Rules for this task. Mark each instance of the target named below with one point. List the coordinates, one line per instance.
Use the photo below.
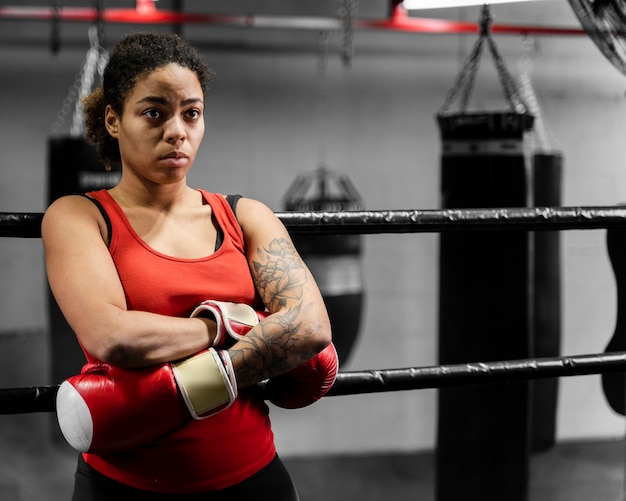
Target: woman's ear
(111, 120)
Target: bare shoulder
(255, 215)
(69, 204)
(69, 213)
(262, 229)
(249, 207)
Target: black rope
(28, 225)
(432, 221)
(42, 399)
(20, 224)
(470, 374)
(27, 400)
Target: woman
(129, 264)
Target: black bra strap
(107, 220)
(232, 201)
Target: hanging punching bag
(546, 302)
(334, 260)
(547, 166)
(483, 432)
(73, 167)
(614, 384)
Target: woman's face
(162, 125)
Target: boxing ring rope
(42, 398)
(27, 224)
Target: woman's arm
(87, 288)
(298, 326)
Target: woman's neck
(161, 197)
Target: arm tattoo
(264, 352)
(280, 278)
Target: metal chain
(508, 83)
(323, 42)
(470, 79)
(55, 28)
(94, 64)
(67, 105)
(87, 80)
(100, 7)
(465, 80)
(542, 137)
(347, 12)
(103, 57)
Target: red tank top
(221, 450)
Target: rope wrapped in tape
(26, 400)
(439, 220)
(28, 225)
(42, 399)
(476, 373)
(20, 224)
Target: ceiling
(281, 22)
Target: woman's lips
(175, 159)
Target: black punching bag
(334, 260)
(73, 167)
(614, 383)
(546, 318)
(484, 301)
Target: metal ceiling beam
(399, 21)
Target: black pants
(272, 483)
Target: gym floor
(33, 466)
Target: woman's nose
(175, 130)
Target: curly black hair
(130, 59)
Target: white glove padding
(207, 382)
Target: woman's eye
(194, 114)
(152, 114)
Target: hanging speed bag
(483, 432)
(73, 167)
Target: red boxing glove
(306, 384)
(106, 408)
(233, 320)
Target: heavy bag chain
(94, 64)
(323, 41)
(55, 27)
(542, 136)
(347, 12)
(465, 81)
